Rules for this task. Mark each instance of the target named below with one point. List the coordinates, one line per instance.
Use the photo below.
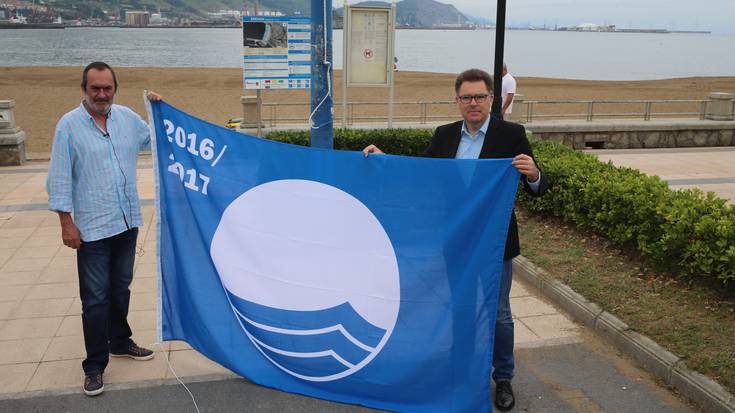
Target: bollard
(7, 119)
(720, 106)
(251, 118)
(12, 138)
(519, 112)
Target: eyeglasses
(467, 99)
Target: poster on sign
(277, 52)
(369, 46)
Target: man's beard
(92, 107)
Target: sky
(715, 15)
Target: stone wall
(636, 134)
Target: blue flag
(371, 281)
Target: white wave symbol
(311, 276)
(320, 349)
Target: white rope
(329, 68)
(170, 367)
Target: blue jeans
(105, 273)
(503, 360)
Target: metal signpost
(322, 112)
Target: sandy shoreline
(44, 94)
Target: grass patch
(688, 317)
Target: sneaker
(93, 384)
(134, 352)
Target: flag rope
(170, 367)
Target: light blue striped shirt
(94, 174)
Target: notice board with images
(276, 52)
(369, 42)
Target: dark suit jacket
(503, 140)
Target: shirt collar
(483, 128)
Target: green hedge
(684, 232)
(410, 142)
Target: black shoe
(134, 352)
(504, 398)
(93, 384)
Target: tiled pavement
(41, 344)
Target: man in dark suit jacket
(480, 135)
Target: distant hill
(420, 13)
(414, 13)
(74, 9)
(481, 20)
(287, 7)
(104, 9)
(428, 13)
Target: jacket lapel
(456, 137)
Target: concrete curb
(655, 359)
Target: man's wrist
(65, 218)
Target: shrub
(411, 142)
(684, 232)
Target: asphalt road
(580, 377)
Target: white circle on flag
(320, 266)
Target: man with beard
(92, 173)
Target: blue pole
(322, 119)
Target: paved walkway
(41, 344)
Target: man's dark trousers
(105, 273)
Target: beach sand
(43, 94)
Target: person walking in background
(92, 173)
(508, 91)
(481, 135)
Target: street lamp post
(497, 107)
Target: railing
(425, 112)
(592, 109)
(369, 111)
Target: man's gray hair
(505, 66)
(97, 66)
